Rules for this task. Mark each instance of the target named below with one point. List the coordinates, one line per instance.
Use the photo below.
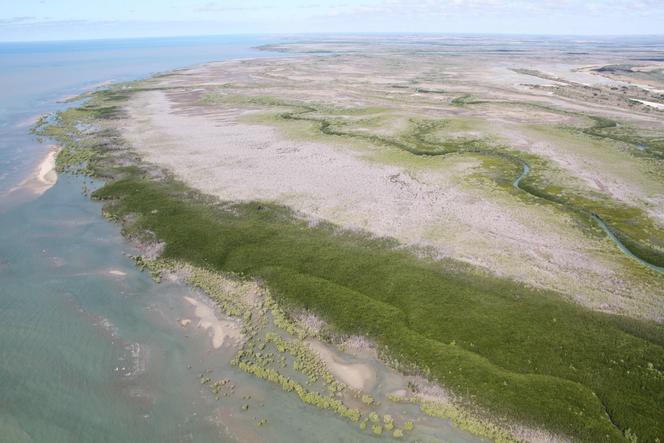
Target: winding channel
(596, 218)
(326, 128)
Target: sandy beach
(44, 176)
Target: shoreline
(110, 195)
(355, 383)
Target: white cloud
(210, 7)
(498, 7)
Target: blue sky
(83, 19)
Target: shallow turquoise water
(82, 357)
(90, 348)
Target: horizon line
(347, 33)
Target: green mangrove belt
(514, 351)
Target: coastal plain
(488, 215)
(221, 128)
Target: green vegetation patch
(644, 144)
(524, 354)
(630, 225)
(475, 425)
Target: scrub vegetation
(473, 424)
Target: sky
(26, 20)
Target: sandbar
(44, 176)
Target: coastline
(256, 319)
(77, 308)
(152, 171)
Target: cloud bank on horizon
(72, 19)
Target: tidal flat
(441, 204)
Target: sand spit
(223, 332)
(27, 122)
(44, 176)
(359, 376)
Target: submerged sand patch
(358, 376)
(222, 332)
(117, 273)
